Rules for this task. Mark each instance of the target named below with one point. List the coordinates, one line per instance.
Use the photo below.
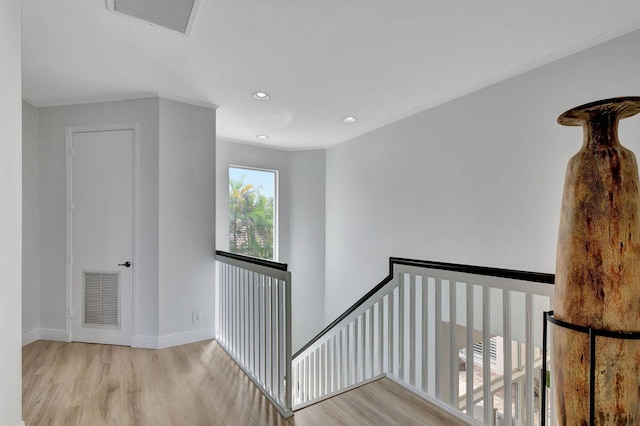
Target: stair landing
(382, 402)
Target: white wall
(176, 215)
(30, 222)
(307, 243)
(53, 122)
(187, 219)
(477, 180)
(10, 214)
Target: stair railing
(467, 338)
(253, 306)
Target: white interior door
(101, 261)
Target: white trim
(69, 217)
(102, 128)
(121, 98)
(136, 221)
(194, 102)
(170, 340)
(96, 100)
(53, 334)
(144, 342)
(192, 18)
(69, 231)
(30, 336)
(276, 216)
(272, 147)
(185, 338)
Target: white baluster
(412, 330)
(241, 287)
(380, 335)
(425, 334)
(356, 350)
(371, 370)
(344, 357)
(274, 333)
(486, 361)
(469, 362)
(402, 326)
(337, 360)
(328, 373)
(281, 356)
(529, 358)
(439, 347)
(507, 348)
(453, 349)
(263, 331)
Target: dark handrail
(254, 260)
(537, 277)
(470, 269)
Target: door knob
(126, 264)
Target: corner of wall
(186, 226)
(144, 342)
(11, 212)
(30, 218)
(30, 336)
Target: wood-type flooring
(197, 384)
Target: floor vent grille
(101, 299)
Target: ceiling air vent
(177, 15)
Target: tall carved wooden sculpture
(598, 270)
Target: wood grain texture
(196, 384)
(598, 270)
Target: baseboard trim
(54, 334)
(30, 336)
(169, 340)
(144, 342)
(185, 338)
(44, 334)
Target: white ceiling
(321, 60)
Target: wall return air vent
(177, 15)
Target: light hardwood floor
(196, 384)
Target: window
(253, 212)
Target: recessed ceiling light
(261, 96)
(262, 137)
(349, 119)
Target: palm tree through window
(253, 212)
